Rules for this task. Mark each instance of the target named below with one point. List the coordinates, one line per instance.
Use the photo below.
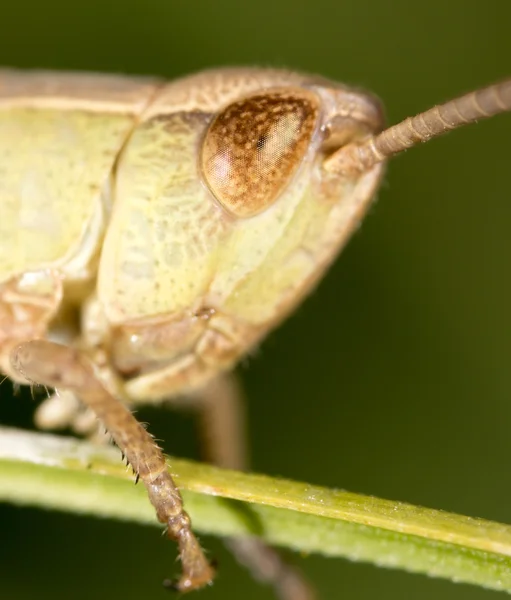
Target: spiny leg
(222, 424)
(59, 366)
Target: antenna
(480, 104)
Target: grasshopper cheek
(254, 146)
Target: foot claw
(171, 585)
(186, 584)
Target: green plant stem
(66, 474)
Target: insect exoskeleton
(160, 230)
(165, 228)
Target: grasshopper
(154, 232)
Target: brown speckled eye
(254, 146)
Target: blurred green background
(394, 378)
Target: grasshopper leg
(62, 367)
(222, 427)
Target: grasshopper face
(224, 217)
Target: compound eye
(254, 146)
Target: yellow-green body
(111, 238)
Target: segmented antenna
(471, 107)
